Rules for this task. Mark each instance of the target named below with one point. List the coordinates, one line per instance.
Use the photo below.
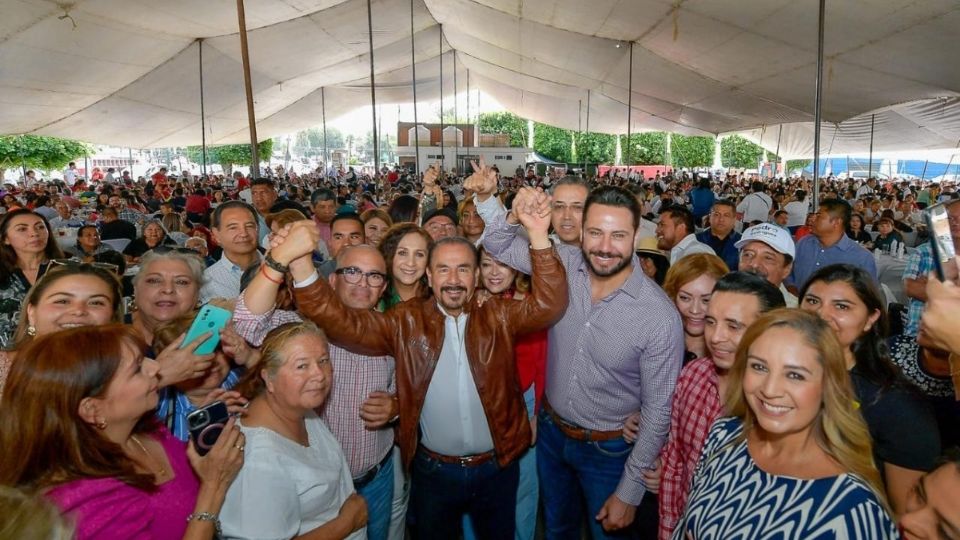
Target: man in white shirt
(234, 227)
(797, 210)
(755, 206)
(676, 233)
(867, 188)
(70, 174)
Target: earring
(102, 424)
(31, 330)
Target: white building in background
(461, 143)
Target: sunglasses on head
(73, 262)
(176, 249)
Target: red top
(801, 232)
(197, 204)
(531, 354)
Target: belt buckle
(464, 461)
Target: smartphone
(209, 319)
(941, 241)
(206, 424)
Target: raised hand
(431, 175)
(294, 241)
(483, 181)
(533, 212)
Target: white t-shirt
(797, 213)
(284, 489)
(70, 176)
(755, 207)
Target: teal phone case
(208, 319)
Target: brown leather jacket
(412, 332)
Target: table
(66, 238)
(890, 271)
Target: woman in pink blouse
(76, 425)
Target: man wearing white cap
(768, 251)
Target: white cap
(772, 235)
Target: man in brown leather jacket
(463, 422)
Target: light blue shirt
(812, 256)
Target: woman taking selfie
(794, 459)
(77, 425)
(906, 441)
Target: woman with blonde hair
(689, 283)
(375, 225)
(794, 460)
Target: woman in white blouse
(295, 482)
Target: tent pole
(248, 86)
(443, 158)
(817, 109)
(130, 155)
(456, 117)
(629, 161)
(373, 95)
(924, 173)
(416, 122)
(777, 164)
(763, 130)
(950, 163)
(873, 119)
(203, 124)
(323, 112)
(587, 130)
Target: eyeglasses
(73, 262)
(352, 275)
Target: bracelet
(206, 516)
(263, 270)
(272, 263)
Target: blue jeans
(573, 472)
(442, 493)
(528, 490)
(379, 496)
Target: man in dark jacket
(721, 236)
(463, 422)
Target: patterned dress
(732, 498)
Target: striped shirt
(174, 405)
(608, 359)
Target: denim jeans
(573, 472)
(401, 497)
(379, 496)
(528, 489)
(442, 493)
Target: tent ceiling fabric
(126, 72)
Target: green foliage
(552, 143)
(643, 148)
(309, 142)
(691, 152)
(38, 152)
(794, 164)
(595, 147)
(504, 122)
(739, 153)
(228, 155)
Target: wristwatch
(272, 263)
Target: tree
(739, 153)
(794, 164)
(39, 152)
(228, 155)
(691, 152)
(309, 142)
(447, 115)
(552, 143)
(648, 148)
(504, 122)
(595, 147)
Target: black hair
(262, 182)
(725, 202)
(404, 209)
(767, 295)
(218, 212)
(570, 180)
(347, 216)
(870, 349)
(838, 208)
(661, 263)
(680, 215)
(322, 194)
(614, 196)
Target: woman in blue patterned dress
(794, 461)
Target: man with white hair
(768, 251)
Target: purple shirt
(106, 508)
(607, 360)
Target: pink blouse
(105, 508)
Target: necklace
(162, 472)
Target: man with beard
(676, 233)
(768, 251)
(618, 349)
(462, 420)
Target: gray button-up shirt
(609, 359)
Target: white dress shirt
(688, 246)
(452, 421)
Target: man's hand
(294, 241)
(631, 428)
(431, 175)
(530, 211)
(616, 514)
(938, 321)
(483, 181)
(378, 410)
(651, 477)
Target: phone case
(206, 424)
(941, 240)
(209, 319)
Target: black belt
(367, 477)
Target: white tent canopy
(126, 72)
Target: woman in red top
(530, 351)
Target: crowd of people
(476, 355)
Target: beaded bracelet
(206, 516)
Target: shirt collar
(687, 240)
